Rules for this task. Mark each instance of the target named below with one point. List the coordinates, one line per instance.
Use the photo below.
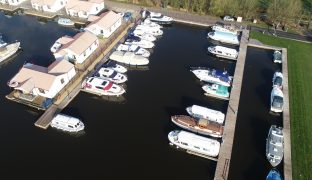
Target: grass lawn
(300, 101)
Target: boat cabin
(67, 123)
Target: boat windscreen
(222, 75)
(113, 74)
(278, 81)
(277, 102)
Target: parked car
(228, 18)
(127, 16)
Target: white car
(228, 18)
(103, 87)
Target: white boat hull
(9, 51)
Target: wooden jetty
(286, 119)
(223, 164)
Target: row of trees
(279, 12)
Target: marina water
(124, 137)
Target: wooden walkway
(75, 87)
(223, 164)
(286, 119)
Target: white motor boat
(133, 40)
(116, 67)
(134, 48)
(65, 22)
(277, 100)
(7, 50)
(194, 143)
(206, 113)
(67, 123)
(103, 87)
(223, 52)
(277, 56)
(225, 28)
(217, 91)
(157, 17)
(213, 76)
(129, 58)
(275, 145)
(148, 22)
(111, 75)
(278, 80)
(144, 35)
(151, 30)
(224, 37)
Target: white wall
(82, 14)
(80, 58)
(15, 2)
(59, 4)
(106, 32)
(57, 85)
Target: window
(49, 7)
(61, 2)
(74, 57)
(84, 54)
(62, 81)
(41, 90)
(196, 147)
(97, 8)
(70, 126)
(102, 32)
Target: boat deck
(223, 164)
(217, 97)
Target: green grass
(300, 101)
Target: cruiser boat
(216, 90)
(103, 87)
(67, 123)
(149, 23)
(55, 47)
(277, 101)
(275, 145)
(223, 37)
(134, 48)
(157, 17)
(223, 52)
(194, 143)
(225, 28)
(153, 31)
(7, 50)
(274, 175)
(206, 113)
(201, 126)
(111, 75)
(277, 56)
(213, 76)
(129, 58)
(65, 22)
(116, 67)
(134, 40)
(144, 35)
(278, 80)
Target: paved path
(179, 16)
(223, 165)
(283, 34)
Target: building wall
(59, 4)
(57, 85)
(82, 57)
(104, 32)
(15, 2)
(82, 14)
